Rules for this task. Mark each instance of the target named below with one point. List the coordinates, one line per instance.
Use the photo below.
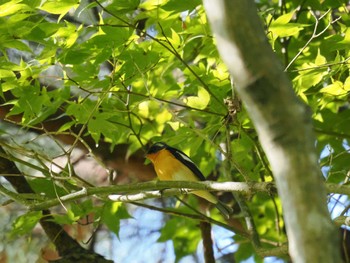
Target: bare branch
(314, 35)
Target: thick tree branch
(283, 125)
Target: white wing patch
(185, 157)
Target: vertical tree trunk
(283, 124)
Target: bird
(171, 164)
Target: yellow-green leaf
(335, 89)
(25, 223)
(281, 27)
(199, 102)
(284, 19)
(13, 7)
(4, 73)
(59, 7)
(347, 84)
(320, 60)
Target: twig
(14, 196)
(326, 65)
(314, 35)
(193, 216)
(332, 133)
(241, 202)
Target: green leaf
(49, 28)
(123, 6)
(100, 124)
(81, 110)
(16, 44)
(245, 251)
(199, 102)
(320, 60)
(83, 209)
(66, 126)
(112, 213)
(176, 6)
(347, 84)
(68, 35)
(59, 7)
(334, 89)
(281, 27)
(30, 101)
(25, 223)
(75, 56)
(4, 73)
(309, 78)
(45, 186)
(110, 36)
(175, 39)
(63, 219)
(184, 234)
(13, 7)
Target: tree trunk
(283, 124)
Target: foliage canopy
(110, 77)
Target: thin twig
(314, 35)
(241, 202)
(326, 65)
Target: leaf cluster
(96, 74)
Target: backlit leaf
(24, 224)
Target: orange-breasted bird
(172, 164)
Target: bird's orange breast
(169, 168)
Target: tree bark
(283, 124)
(207, 242)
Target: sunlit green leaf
(25, 223)
(4, 73)
(60, 7)
(199, 102)
(13, 7)
(281, 27)
(335, 89)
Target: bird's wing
(183, 158)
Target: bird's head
(154, 150)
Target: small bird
(172, 164)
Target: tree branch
(65, 244)
(154, 189)
(207, 242)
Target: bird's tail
(225, 210)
